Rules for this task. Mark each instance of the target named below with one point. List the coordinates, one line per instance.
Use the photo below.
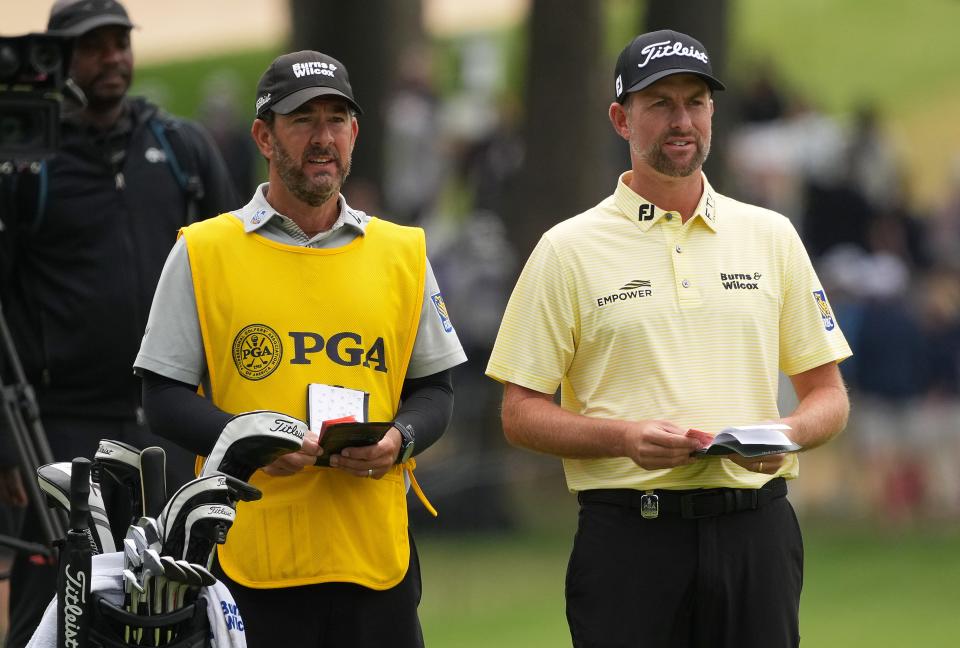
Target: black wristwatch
(406, 441)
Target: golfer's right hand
(659, 444)
(294, 462)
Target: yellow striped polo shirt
(636, 315)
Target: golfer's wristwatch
(406, 441)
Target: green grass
(863, 588)
(838, 52)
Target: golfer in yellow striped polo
(667, 308)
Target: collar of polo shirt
(645, 214)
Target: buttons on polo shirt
(685, 283)
(678, 249)
(668, 216)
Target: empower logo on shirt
(636, 289)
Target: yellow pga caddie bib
(275, 318)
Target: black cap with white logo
(655, 55)
(77, 17)
(296, 78)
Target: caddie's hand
(293, 462)
(767, 464)
(12, 491)
(659, 444)
(372, 461)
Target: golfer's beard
(661, 162)
(312, 192)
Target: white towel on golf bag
(226, 624)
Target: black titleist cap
(77, 17)
(295, 78)
(655, 55)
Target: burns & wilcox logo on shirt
(740, 281)
(636, 289)
(258, 350)
(823, 306)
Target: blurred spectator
(414, 168)
(220, 113)
(835, 212)
(940, 310)
(762, 99)
(491, 162)
(872, 161)
(943, 241)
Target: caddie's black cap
(655, 55)
(295, 78)
(77, 17)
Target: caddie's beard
(312, 191)
(661, 162)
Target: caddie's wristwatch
(406, 441)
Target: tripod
(20, 418)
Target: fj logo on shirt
(737, 281)
(821, 298)
(647, 211)
(636, 289)
(257, 350)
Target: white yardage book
(328, 402)
(751, 441)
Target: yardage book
(339, 414)
(747, 440)
(337, 435)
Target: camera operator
(85, 241)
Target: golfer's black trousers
(728, 581)
(332, 615)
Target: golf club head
(206, 526)
(139, 537)
(131, 581)
(208, 578)
(173, 571)
(54, 481)
(116, 467)
(153, 563)
(252, 440)
(151, 530)
(131, 554)
(191, 576)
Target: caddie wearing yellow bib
(297, 289)
(664, 315)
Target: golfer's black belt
(689, 504)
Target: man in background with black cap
(83, 248)
(294, 289)
(666, 310)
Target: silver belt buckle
(649, 506)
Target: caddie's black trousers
(331, 615)
(731, 580)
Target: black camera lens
(45, 56)
(18, 130)
(9, 63)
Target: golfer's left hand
(372, 461)
(767, 464)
